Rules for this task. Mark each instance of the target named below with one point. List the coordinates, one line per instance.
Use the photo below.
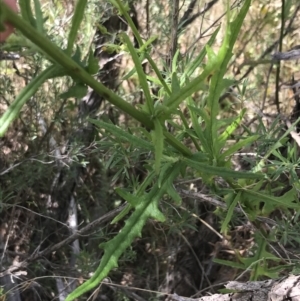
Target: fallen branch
(86, 230)
(284, 289)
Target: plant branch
(57, 55)
(85, 230)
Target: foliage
(198, 144)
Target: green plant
(200, 141)
(260, 264)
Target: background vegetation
(175, 174)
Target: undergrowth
(181, 137)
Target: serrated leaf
(133, 200)
(114, 248)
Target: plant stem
(73, 69)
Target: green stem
(14, 109)
(74, 69)
(177, 144)
(123, 11)
(54, 53)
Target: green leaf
(186, 91)
(212, 57)
(175, 61)
(207, 169)
(199, 130)
(136, 199)
(124, 11)
(113, 249)
(229, 263)
(147, 44)
(133, 200)
(141, 74)
(218, 68)
(102, 29)
(236, 146)
(230, 129)
(200, 111)
(26, 12)
(158, 142)
(123, 135)
(92, 67)
(77, 91)
(122, 214)
(172, 192)
(39, 16)
(76, 21)
(175, 83)
(288, 200)
(188, 131)
(133, 71)
(230, 212)
(153, 80)
(14, 109)
(163, 174)
(260, 268)
(192, 66)
(276, 145)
